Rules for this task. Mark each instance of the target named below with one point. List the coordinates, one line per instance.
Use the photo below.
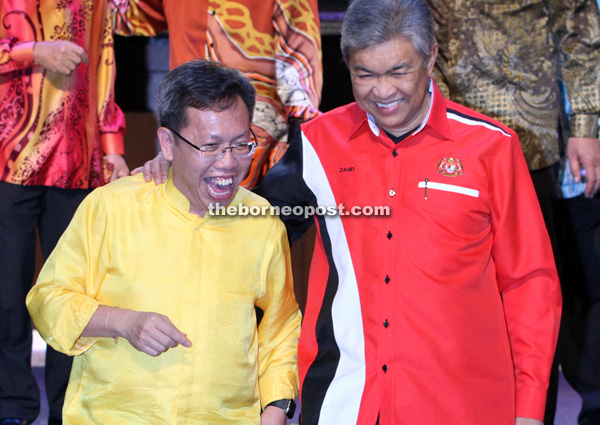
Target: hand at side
(148, 332)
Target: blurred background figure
(275, 43)
(61, 135)
(579, 341)
(507, 60)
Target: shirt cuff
(22, 54)
(279, 385)
(531, 403)
(584, 125)
(112, 143)
(68, 339)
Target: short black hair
(200, 84)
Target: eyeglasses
(212, 152)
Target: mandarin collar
(175, 197)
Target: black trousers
(23, 210)
(579, 341)
(545, 184)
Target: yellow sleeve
(279, 329)
(64, 299)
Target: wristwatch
(287, 405)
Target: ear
(165, 138)
(432, 58)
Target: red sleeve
(527, 278)
(111, 121)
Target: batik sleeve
(135, 17)
(111, 121)
(15, 54)
(298, 57)
(577, 24)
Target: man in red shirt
(447, 310)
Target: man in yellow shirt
(175, 287)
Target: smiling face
(390, 82)
(204, 183)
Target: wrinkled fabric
(55, 129)
(135, 245)
(275, 43)
(444, 311)
(505, 59)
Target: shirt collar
(174, 196)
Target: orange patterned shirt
(55, 129)
(275, 43)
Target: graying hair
(371, 22)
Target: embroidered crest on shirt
(450, 167)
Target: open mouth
(219, 187)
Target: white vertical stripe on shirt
(342, 401)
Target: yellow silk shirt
(135, 245)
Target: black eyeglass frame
(253, 145)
